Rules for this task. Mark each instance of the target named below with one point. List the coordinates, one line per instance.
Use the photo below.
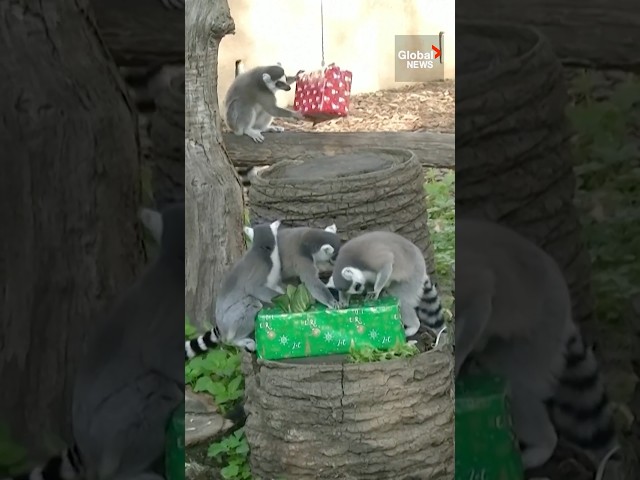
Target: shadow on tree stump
(514, 162)
(376, 189)
(389, 420)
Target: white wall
(359, 36)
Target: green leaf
(230, 471)
(291, 291)
(234, 385)
(189, 330)
(215, 449)
(206, 384)
(297, 302)
(243, 448)
(302, 299)
(283, 302)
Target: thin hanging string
(322, 30)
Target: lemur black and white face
(350, 280)
(277, 81)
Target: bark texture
(512, 146)
(166, 132)
(589, 33)
(388, 420)
(213, 191)
(69, 191)
(375, 189)
(140, 32)
(130, 31)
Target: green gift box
(486, 446)
(319, 331)
(174, 445)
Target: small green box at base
(174, 449)
(486, 448)
(320, 331)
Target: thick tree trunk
(167, 158)
(373, 189)
(513, 157)
(69, 191)
(213, 191)
(381, 421)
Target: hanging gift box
(323, 94)
(320, 331)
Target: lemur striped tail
(202, 343)
(67, 466)
(429, 309)
(580, 408)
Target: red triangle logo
(437, 50)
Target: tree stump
(514, 161)
(213, 193)
(376, 189)
(385, 420)
(512, 145)
(390, 420)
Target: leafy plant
(233, 452)
(439, 188)
(607, 167)
(367, 354)
(189, 330)
(218, 373)
(295, 299)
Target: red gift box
(323, 94)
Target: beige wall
(359, 36)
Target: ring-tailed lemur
(514, 319)
(253, 280)
(128, 383)
(304, 253)
(377, 261)
(251, 104)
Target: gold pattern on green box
(320, 331)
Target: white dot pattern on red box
(324, 92)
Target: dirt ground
(417, 107)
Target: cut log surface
(431, 149)
(391, 420)
(375, 189)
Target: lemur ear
(331, 228)
(248, 231)
(327, 249)
(348, 273)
